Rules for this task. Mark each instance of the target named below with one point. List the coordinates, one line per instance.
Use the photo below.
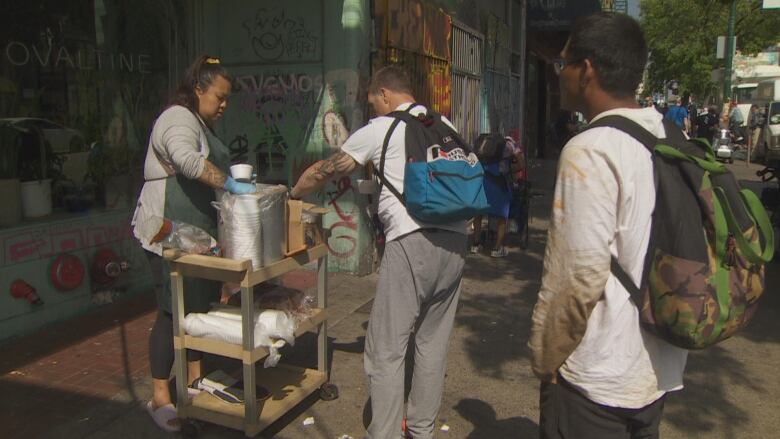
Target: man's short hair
(616, 47)
(672, 100)
(392, 78)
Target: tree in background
(682, 38)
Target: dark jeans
(566, 414)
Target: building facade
(81, 83)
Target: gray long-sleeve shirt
(178, 145)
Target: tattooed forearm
(212, 176)
(323, 171)
(338, 163)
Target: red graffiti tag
(343, 186)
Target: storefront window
(81, 82)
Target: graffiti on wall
(273, 35)
(275, 98)
(286, 112)
(271, 113)
(417, 36)
(344, 229)
(353, 87)
(502, 105)
(437, 32)
(340, 195)
(414, 26)
(334, 129)
(47, 241)
(405, 24)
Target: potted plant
(111, 168)
(10, 189)
(38, 166)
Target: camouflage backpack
(709, 241)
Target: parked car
(62, 139)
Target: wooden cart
(287, 385)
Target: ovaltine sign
(18, 53)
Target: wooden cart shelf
(236, 351)
(288, 385)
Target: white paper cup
(242, 172)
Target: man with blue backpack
(431, 184)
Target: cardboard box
(296, 228)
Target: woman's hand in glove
(238, 188)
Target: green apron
(189, 201)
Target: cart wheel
(190, 428)
(329, 392)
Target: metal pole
(729, 51)
(523, 69)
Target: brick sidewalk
(51, 377)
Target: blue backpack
(443, 179)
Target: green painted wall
(29, 250)
(299, 68)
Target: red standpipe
(22, 290)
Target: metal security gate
(467, 50)
(500, 83)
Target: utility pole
(729, 52)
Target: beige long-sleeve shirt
(585, 325)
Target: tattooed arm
(318, 174)
(212, 176)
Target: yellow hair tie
(212, 60)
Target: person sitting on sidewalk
(603, 376)
(420, 273)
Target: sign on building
(559, 14)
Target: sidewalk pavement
(88, 378)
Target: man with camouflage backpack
(632, 209)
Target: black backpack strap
(398, 116)
(649, 141)
(628, 283)
(629, 127)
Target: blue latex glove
(238, 188)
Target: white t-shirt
(616, 363)
(366, 144)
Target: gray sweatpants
(418, 288)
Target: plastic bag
(272, 329)
(252, 226)
(179, 235)
(295, 303)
